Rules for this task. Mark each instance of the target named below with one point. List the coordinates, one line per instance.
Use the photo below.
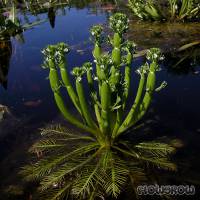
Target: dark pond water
(174, 114)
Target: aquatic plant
(8, 27)
(98, 161)
(166, 10)
(184, 60)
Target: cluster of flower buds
(129, 46)
(61, 50)
(96, 32)
(154, 55)
(54, 52)
(104, 62)
(144, 69)
(49, 53)
(138, 7)
(78, 72)
(63, 47)
(87, 66)
(119, 23)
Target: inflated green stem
(119, 24)
(116, 59)
(115, 74)
(129, 48)
(150, 87)
(127, 78)
(83, 103)
(88, 67)
(116, 52)
(96, 32)
(144, 105)
(118, 122)
(105, 110)
(134, 107)
(97, 51)
(138, 110)
(68, 85)
(54, 82)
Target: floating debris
(33, 103)
(3, 111)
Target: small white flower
(138, 71)
(102, 66)
(162, 58)
(119, 21)
(79, 79)
(55, 185)
(155, 55)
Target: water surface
(175, 111)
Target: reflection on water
(5, 55)
(184, 62)
(28, 94)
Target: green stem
(118, 122)
(97, 54)
(134, 107)
(91, 85)
(127, 79)
(68, 85)
(105, 104)
(115, 78)
(97, 51)
(150, 88)
(54, 83)
(116, 52)
(83, 104)
(90, 80)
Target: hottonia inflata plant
(109, 102)
(97, 161)
(172, 10)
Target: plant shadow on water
(177, 119)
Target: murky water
(175, 112)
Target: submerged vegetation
(8, 27)
(172, 10)
(184, 60)
(99, 160)
(11, 25)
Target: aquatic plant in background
(172, 10)
(98, 161)
(184, 60)
(8, 27)
(11, 26)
